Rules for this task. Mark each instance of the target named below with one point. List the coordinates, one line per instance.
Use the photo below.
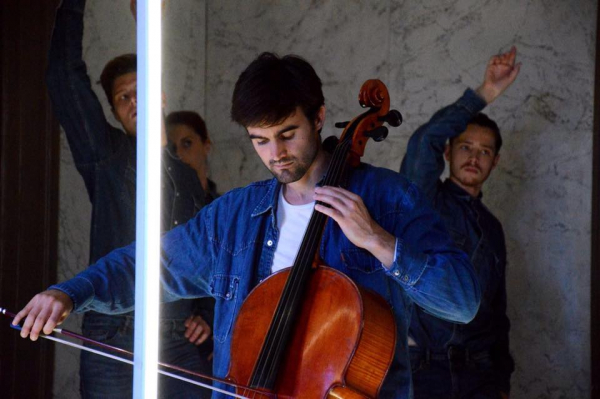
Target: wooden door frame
(29, 172)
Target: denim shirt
(104, 155)
(474, 230)
(228, 248)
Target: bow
(129, 354)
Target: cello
(309, 331)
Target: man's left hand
(351, 214)
(197, 330)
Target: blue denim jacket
(228, 248)
(104, 155)
(474, 230)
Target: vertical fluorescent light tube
(149, 114)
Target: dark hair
(270, 89)
(483, 120)
(191, 119)
(116, 67)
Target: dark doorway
(29, 162)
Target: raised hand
(351, 214)
(44, 312)
(501, 71)
(133, 7)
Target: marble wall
(427, 53)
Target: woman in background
(189, 140)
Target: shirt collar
(269, 201)
(459, 191)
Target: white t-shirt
(292, 221)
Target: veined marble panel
(541, 189)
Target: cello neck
(272, 351)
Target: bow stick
(71, 334)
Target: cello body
(342, 346)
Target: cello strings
(274, 345)
(304, 259)
(273, 337)
(331, 178)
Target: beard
(299, 167)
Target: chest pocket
(126, 179)
(224, 289)
(459, 239)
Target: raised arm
(75, 104)
(423, 162)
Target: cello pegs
(378, 134)
(393, 118)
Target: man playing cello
(383, 235)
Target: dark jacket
(474, 229)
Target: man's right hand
(44, 312)
(501, 71)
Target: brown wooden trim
(595, 272)
(29, 170)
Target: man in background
(471, 360)
(105, 157)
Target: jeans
(106, 378)
(457, 374)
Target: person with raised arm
(451, 360)
(105, 156)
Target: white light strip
(149, 113)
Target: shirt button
(270, 243)
(228, 295)
(396, 273)
(177, 194)
(168, 168)
(405, 278)
(176, 222)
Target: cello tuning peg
(393, 118)
(378, 134)
(341, 125)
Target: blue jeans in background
(457, 374)
(105, 378)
